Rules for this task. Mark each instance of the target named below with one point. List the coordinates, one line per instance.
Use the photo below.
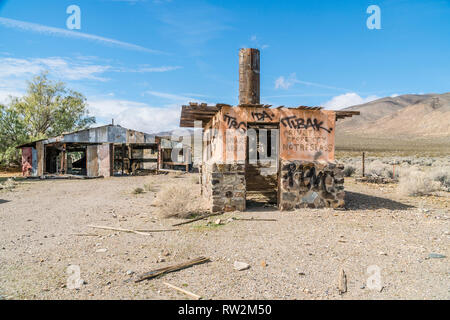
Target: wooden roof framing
(202, 112)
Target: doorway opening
(262, 164)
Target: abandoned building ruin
(253, 152)
(102, 152)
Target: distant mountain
(406, 116)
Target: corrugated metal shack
(102, 151)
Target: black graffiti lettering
(299, 123)
(307, 177)
(233, 124)
(261, 116)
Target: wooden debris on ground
(196, 219)
(190, 294)
(141, 232)
(255, 219)
(162, 271)
(342, 286)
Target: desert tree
(47, 109)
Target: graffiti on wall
(232, 123)
(293, 122)
(262, 116)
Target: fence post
(363, 164)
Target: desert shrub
(379, 169)
(138, 191)
(181, 201)
(349, 170)
(442, 175)
(9, 184)
(416, 183)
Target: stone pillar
(249, 77)
(223, 186)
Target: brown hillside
(412, 116)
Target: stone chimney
(249, 78)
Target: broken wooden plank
(157, 230)
(162, 271)
(188, 293)
(255, 219)
(120, 230)
(196, 219)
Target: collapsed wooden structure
(253, 152)
(102, 151)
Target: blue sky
(138, 61)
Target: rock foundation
(311, 185)
(224, 186)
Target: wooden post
(123, 158)
(364, 164)
(249, 76)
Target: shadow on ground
(3, 201)
(359, 201)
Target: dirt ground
(44, 230)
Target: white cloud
(38, 28)
(59, 67)
(347, 100)
(170, 96)
(147, 69)
(136, 115)
(285, 83)
(256, 43)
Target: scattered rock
(129, 272)
(381, 253)
(240, 266)
(218, 221)
(101, 250)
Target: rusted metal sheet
(104, 153)
(27, 160)
(92, 161)
(117, 134)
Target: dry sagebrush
(180, 201)
(417, 183)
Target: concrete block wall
(311, 185)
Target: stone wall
(223, 185)
(311, 185)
